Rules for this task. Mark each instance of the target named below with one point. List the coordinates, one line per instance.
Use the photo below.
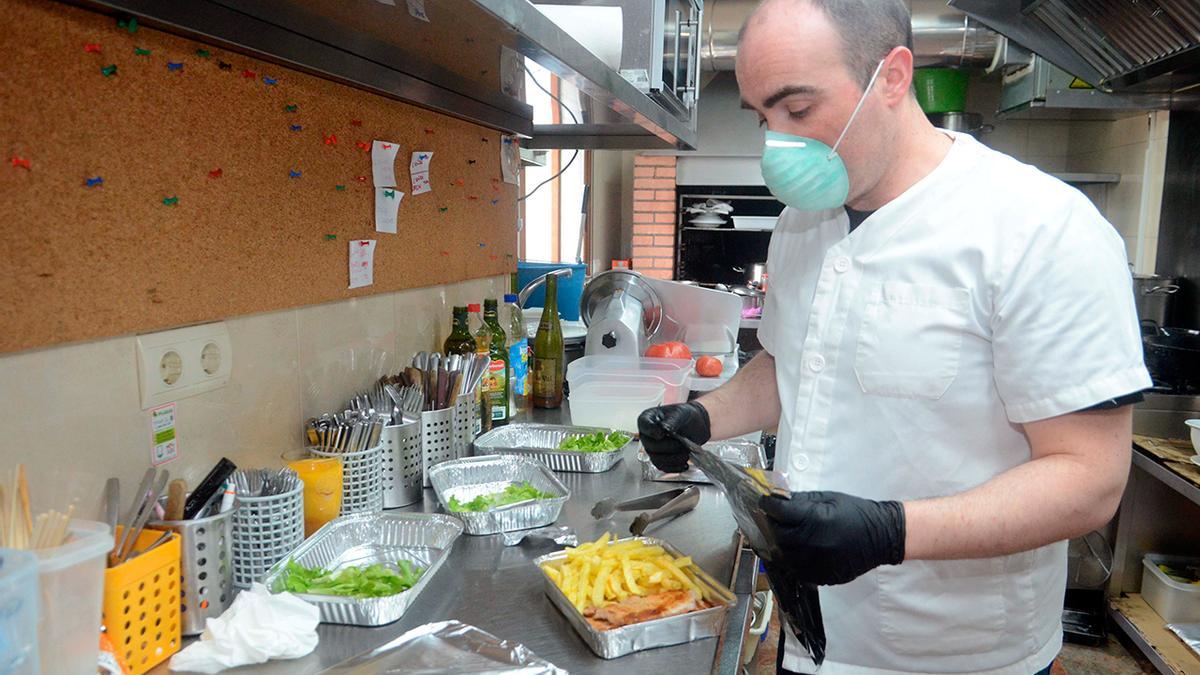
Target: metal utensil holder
(265, 529)
(446, 434)
(206, 567)
(362, 479)
(401, 462)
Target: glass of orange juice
(322, 478)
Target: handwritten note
(362, 263)
(417, 9)
(383, 163)
(387, 203)
(418, 168)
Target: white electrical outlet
(178, 363)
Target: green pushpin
(203, 53)
(340, 188)
(330, 237)
(443, 209)
(109, 70)
(129, 24)
(291, 107)
(170, 201)
(138, 51)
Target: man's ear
(897, 75)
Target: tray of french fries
(627, 595)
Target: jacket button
(816, 363)
(841, 265)
(800, 462)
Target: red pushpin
(91, 48)
(459, 182)
(215, 173)
(473, 198)
(356, 123)
(248, 74)
(331, 139)
(428, 130)
(21, 162)
(365, 147)
(361, 179)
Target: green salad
(596, 442)
(364, 581)
(517, 492)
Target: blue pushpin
(270, 82)
(296, 127)
(93, 182)
(293, 174)
(171, 65)
(495, 202)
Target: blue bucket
(570, 291)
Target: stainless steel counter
(497, 588)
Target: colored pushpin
(482, 245)
(422, 157)
(270, 81)
(459, 182)
(493, 256)
(94, 182)
(428, 130)
(138, 51)
(330, 237)
(472, 198)
(129, 24)
(390, 194)
(361, 179)
(21, 162)
(387, 146)
(507, 141)
(365, 147)
(331, 139)
(249, 74)
(216, 173)
(292, 173)
(339, 188)
(171, 65)
(91, 48)
(470, 161)
(495, 202)
(109, 70)
(224, 66)
(443, 209)
(446, 254)
(170, 201)
(203, 53)
(295, 127)
(484, 139)
(356, 123)
(291, 107)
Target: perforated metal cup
(401, 463)
(362, 479)
(265, 529)
(206, 567)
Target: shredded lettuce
(364, 581)
(517, 492)
(596, 442)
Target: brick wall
(654, 216)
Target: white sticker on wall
(418, 168)
(417, 9)
(383, 163)
(362, 263)
(165, 442)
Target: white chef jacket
(907, 354)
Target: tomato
(708, 366)
(669, 350)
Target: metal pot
(752, 298)
(756, 274)
(1153, 295)
(963, 122)
(1173, 358)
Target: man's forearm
(1073, 485)
(748, 402)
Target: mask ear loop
(862, 101)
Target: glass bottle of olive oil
(548, 352)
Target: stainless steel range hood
(451, 64)
(1114, 45)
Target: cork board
(259, 222)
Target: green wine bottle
(495, 390)
(459, 341)
(548, 352)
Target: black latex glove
(832, 538)
(655, 425)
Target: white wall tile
(1048, 138)
(1010, 137)
(344, 347)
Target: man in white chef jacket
(951, 348)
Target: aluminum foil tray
(466, 479)
(365, 539)
(540, 442)
(742, 453)
(672, 630)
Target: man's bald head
(869, 29)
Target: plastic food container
(671, 373)
(1174, 601)
(18, 612)
(72, 587)
(613, 406)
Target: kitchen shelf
(1147, 630)
(1076, 178)
(1165, 475)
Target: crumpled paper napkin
(257, 627)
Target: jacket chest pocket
(910, 340)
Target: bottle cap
(473, 307)
(510, 298)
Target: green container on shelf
(941, 90)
